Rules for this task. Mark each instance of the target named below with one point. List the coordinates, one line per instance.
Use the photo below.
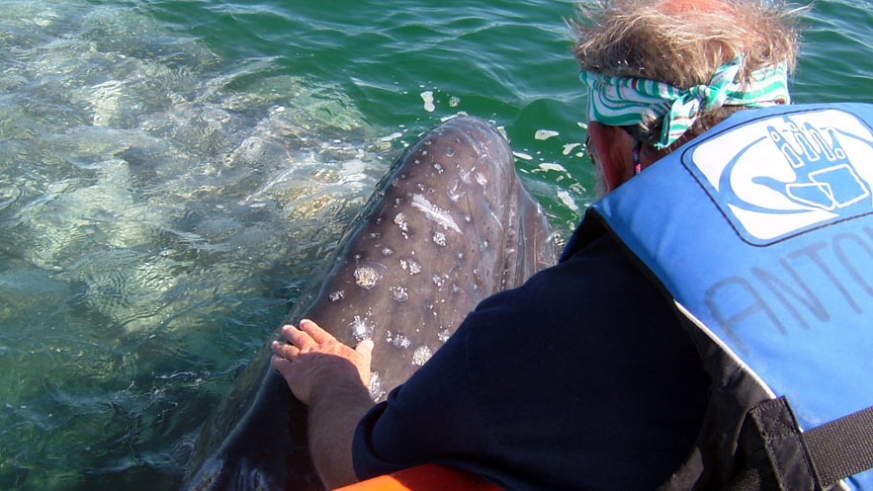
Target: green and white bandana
(620, 101)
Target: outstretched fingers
(298, 338)
(284, 350)
(313, 359)
(315, 331)
(282, 365)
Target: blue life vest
(761, 230)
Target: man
(582, 378)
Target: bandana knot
(623, 101)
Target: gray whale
(449, 226)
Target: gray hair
(683, 43)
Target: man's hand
(332, 379)
(313, 359)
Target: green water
(171, 172)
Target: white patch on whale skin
(455, 190)
(399, 341)
(437, 280)
(366, 277)
(361, 330)
(421, 355)
(410, 265)
(439, 239)
(400, 221)
(400, 294)
(435, 213)
(375, 386)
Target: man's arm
(331, 378)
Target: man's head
(689, 46)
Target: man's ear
(612, 147)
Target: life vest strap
(843, 447)
(804, 461)
(774, 422)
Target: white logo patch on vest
(783, 175)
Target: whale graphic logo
(777, 177)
